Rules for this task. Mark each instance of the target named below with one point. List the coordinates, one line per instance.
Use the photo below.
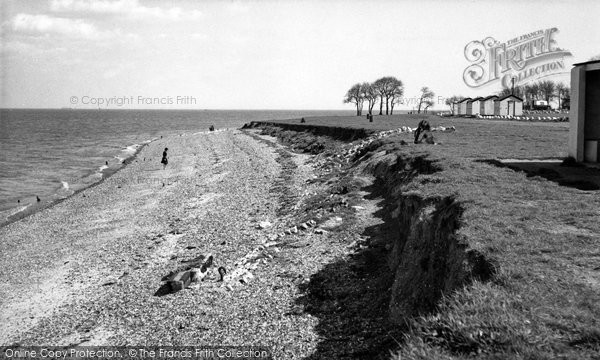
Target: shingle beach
(88, 270)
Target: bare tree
(564, 94)
(426, 95)
(355, 96)
(386, 86)
(379, 87)
(561, 90)
(451, 101)
(428, 103)
(396, 95)
(370, 94)
(548, 89)
(518, 91)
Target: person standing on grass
(164, 160)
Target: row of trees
(387, 90)
(547, 90)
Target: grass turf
(544, 301)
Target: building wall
(505, 107)
(475, 107)
(584, 132)
(487, 107)
(457, 109)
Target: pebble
(264, 225)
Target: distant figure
(106, 162)
(164, 160)
(370, 117)
(302, 121)
(211, 128)
(38, 198)
(18, 201)
(425, 129)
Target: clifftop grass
(543, 301)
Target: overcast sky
(263, 54)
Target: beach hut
(584, 132)
(462, 106)
(509, 105)
(474, 106)
(486, 105)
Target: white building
(509, 105)
(475, 105)
(462, 106)
(486, 105)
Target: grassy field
(474, 138)
(544, 299)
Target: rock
(264, 225)
(109, 282)
(312, 223)
(294, 230)
(356, 207)
(288, 232)
(332, 222)
(319, 231)
(352, 244)
(304, 226)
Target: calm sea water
(51, 153)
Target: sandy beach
(88, 270)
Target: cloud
(44, 24)
(128, 8)
(40, 24)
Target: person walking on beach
(164, 160)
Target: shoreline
(106, 173)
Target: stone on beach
(264, 225)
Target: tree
(396, 95)
(428, 103)
(370, 94)
(518, 91)
(355, 96)
(561, 90)
(426, 96)
(451, 101)
(547, 89)
(386, 86)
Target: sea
(51, 153)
